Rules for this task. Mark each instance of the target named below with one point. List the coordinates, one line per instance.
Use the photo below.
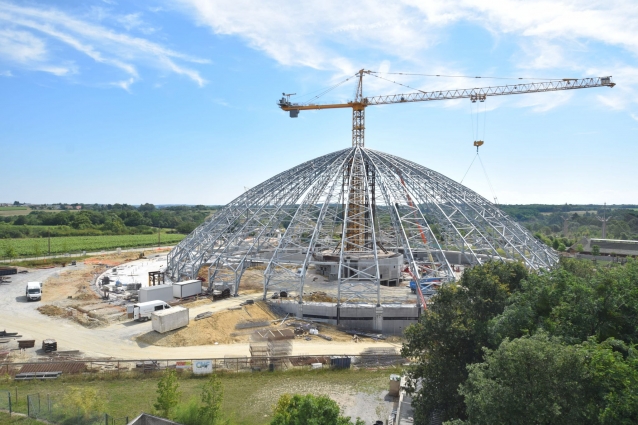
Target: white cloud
(124, 84)
(544, 102)
(6, 74)
(22, 46)
(328, 35)
(30, 30)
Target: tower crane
(360, 209)
(360, 103)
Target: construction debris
(364, 334)
(252, 324)
(49, 345)
(26, 343)
(204, 315)
(326, 337)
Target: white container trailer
(187, 288)
(168, 320)
(156, 293)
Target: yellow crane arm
(481, 93)
(473, 94)
(359, 104)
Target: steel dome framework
(354, 206)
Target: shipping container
(5, 271)
(338, 362)
(187, 288)
(156, 293)
(168, 320)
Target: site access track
(117, 340)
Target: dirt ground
(220, 328)
(68, 294)
(113, 260)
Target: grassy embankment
(38, 247)
(248, 397)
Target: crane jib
(472, 93)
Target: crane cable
(372, 73)
(327, 90)
(468, 76)
(475, 133)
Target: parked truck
(34, 291)
(142, 311)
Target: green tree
(575, 301)
(528, 381)
(83, 401)
(613, 371)
(555, 243)
(10, 251)
(212, 397)
(309, 410)
(168, 394)
(37, 249)
(595, 250)
(451, 334)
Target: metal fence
(60, 411)
(5, 401)
(110, 420)
(373, 359)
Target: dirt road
(117, 340)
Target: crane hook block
(478, 143)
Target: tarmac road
(18, 315)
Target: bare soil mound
(220, 328)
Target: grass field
(10, 211)
(248, 397)
(73, 244)
(4, 211)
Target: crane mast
(360, 206)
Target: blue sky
(174, 101)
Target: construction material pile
(49, 345)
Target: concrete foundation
(387, 319)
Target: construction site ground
(72, 314)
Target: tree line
(508, 346)
(547, 221)
(118, 219)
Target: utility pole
(565, 227)
(604, 219)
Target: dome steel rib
(357, 218)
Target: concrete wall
(387, 319)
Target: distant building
(616, 247)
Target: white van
(142, 311)
(34, 291)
